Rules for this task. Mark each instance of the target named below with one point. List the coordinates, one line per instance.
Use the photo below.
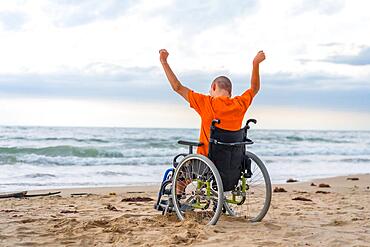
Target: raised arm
(255, 79)
(175, 83)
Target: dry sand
(338, 218)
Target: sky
(96, 63)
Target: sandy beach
(337, 216)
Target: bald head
(223, 83)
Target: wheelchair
(231, 180)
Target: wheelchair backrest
(228, 159)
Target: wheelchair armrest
(195, 144)
(190, 144)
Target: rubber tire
(217, 176)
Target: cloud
(97, 80)
(331, 44)
(70, 13)
(149, 84)
(283, 80)
(304, 80)
(12, 20)
(314, 89)
(322, 7)
(362, 58)
(194, 16)
(355, 100)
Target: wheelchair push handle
(250, 121)
(215, 121)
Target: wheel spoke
(257, 196)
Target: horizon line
(188, 128)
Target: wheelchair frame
(168, 206)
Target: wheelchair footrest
(164, 207)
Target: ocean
(64, 157)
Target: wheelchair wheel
(197, 190)
(255, 202)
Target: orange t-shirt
(230, 111)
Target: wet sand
(337, 216)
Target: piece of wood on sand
(13, 195)
(23, 194)
(44, 194)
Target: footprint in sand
(28, 220)
(220, 230)
(268, 243)
(272, 226)
(336, 223)
(338, 242)
(292, 234)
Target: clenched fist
(163, 54)
(259, 57)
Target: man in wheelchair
(218, 104)
(198, 181)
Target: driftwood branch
(23, 194)
(15, 195)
